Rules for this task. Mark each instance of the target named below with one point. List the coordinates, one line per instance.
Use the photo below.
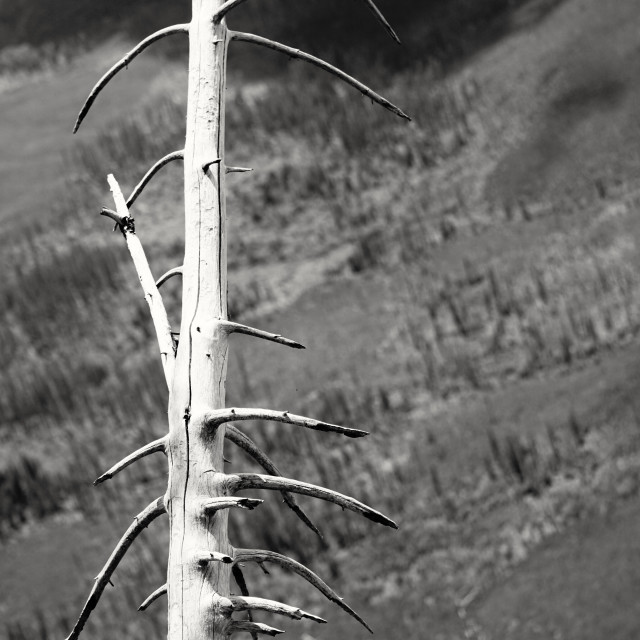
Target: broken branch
(296, 53)
(220, 416)
(152, 447)
(140, 522)
(247, 444)
(214, 556)
(175, 155)
(124, 62)
(260, 556)
(216, 504)
(151, 293)
(240, 481)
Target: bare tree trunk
(199, 494)
(195, 454)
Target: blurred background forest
(467, 286)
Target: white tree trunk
(199, 493)
(195, 453)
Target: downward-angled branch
(238, 576)
(158, 593)
(232, 4)
(260, 556)
(151, 293)
(152, 447)
(220, 416)
(382, 20)
(240, 481)
(142, 520)
(124, 62)
(247, 444)
(236, 626)
(234, 327)
(260, 604)
(170, 157)
(296, 53)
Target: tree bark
(198, 590)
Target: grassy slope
(491, 172)
(37, 118)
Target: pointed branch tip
(260, 556)
(140, 522)
(240, 439)
(234, 327)
(232, 4)
(296, 53)
(220, 416)
(383, 21)
(152, 447)
(161, 591)
(238, 169)
(241, 481)
(123, 63)
(235, 626)
(261, 604)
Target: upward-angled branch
(243, 441)
(172, 273)
(141, 521)
(240, 481)
(232, 4)
(260, 556)
(170, 157)
(152, 447)
(158, 593)
(296, 53)
(220, 416)
(151, 293)
(124, 62)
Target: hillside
(467, 288)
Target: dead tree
(200, 492)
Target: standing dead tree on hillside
(200, 492)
